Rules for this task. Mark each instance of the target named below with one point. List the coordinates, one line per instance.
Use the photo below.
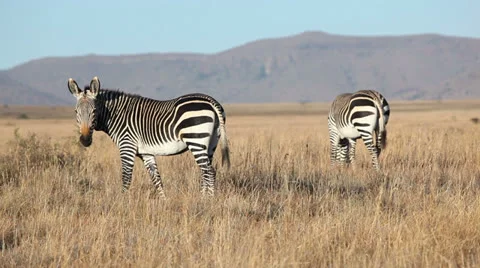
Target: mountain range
(307, 67)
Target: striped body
(363, 114)
(147, 128)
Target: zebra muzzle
(86, 140)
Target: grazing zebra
(363, 114)
(146, 127)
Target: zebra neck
(110, 111)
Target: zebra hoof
(157, 195)
(208, 193)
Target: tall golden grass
(280, 205)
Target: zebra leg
(334, 150)
(127, 157)
(372, 148)
(334, 139)
(209, 173)
(204, 162)
(333, 155)
(208, 178)
(342, 152)
(151, 166)
(351, 152)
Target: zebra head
(85, 108)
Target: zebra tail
(225, 149)
(223, 135)
(384, 139)
(381, 125)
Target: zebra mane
(114, 92)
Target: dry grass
(279, 205)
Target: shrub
(23, 116)
(30, 152)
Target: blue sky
(34, 29)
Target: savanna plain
(279, 205)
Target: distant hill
(16, 93)
(311, 66)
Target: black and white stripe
(146, 128)
(363, 114)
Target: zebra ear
(94, 86)
(73, 87)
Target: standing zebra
(145, 128)
(363, 114)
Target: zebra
(144, 127)
(363, 114)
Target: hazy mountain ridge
(312, 66)
(16, 93)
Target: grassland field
(279, 205)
